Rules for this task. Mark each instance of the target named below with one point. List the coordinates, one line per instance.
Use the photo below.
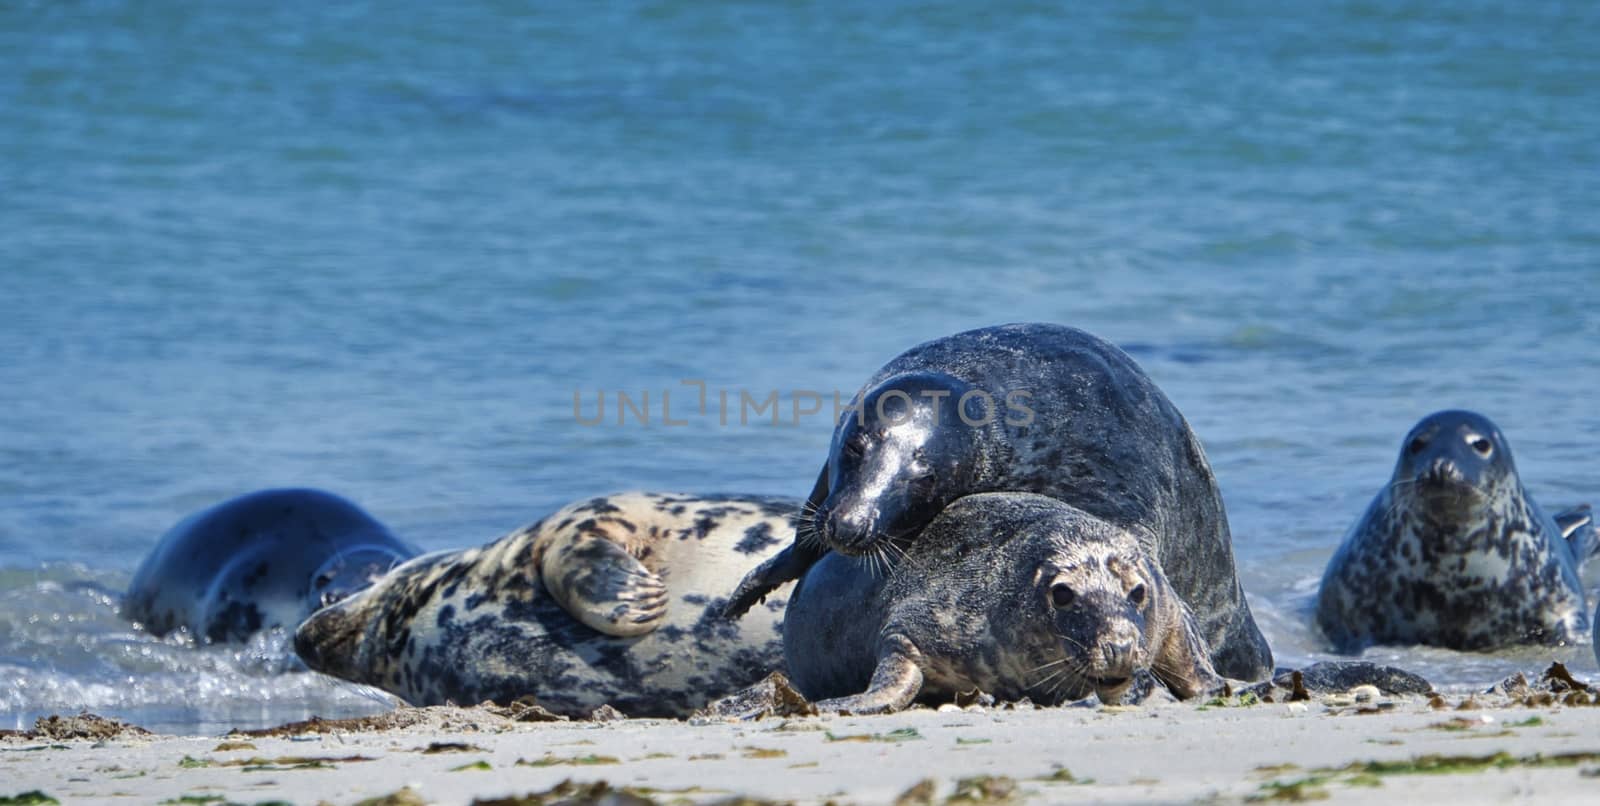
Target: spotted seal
(1453, 552)
(1015, 594)
(262, 560)
(1035, 408)
(611, 600)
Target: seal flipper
(1577, 526)
(789, 564)
(1183, 661)
(895, 683)
(597, 581)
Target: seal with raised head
(1014, 594)
(1035, 408)
(262, 560)
(609, 601)
(1453, 552)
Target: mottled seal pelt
(1034, 408)
(1014, 594)
(263, 560)
(611, 600)
(1453, 552)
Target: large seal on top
(259, 561)
(611, 600)
(1014, 594)
(1029, 408)
(1453, 552)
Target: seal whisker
(1048, 664)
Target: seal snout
(328, 641)
(1115, 658)
(1114, 661)
(1443, 470)
(850, 531)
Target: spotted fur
(1015, 594)
(487, 623)
(1453, 552)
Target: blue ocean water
(378, 251)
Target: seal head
(912, 447)
(1452, 466)
(262, 560)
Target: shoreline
(1354, 745)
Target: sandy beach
(1350, 746)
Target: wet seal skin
(1013, 594)
(611, 600)
(1034, 408)
(259, 561)
(1453, 552)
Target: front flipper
(787, 565)
(1183, 661)
(895, 683)
(600, 584)
(1577, 526)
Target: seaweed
(920, 793)
(83, 726)
(898, 735)
(450, 747)
(575, 761)
(1062, 775)
(773, 695)
(29, 798)
(568, 793)
(1300, 791)
(405, 796)
(984, 789)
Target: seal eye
(1416, 445)
(1137, 594)
(1061, 595)
(856, 446)
(1483, 446)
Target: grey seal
(1035, 408)
(1014, 594)
(1454, 552)
(609, 601)
(262, 560)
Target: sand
(1341, 747)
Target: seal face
(1015, 594)
(1453, 552)
(1034, 408)
(259, 561)
(611, 600)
